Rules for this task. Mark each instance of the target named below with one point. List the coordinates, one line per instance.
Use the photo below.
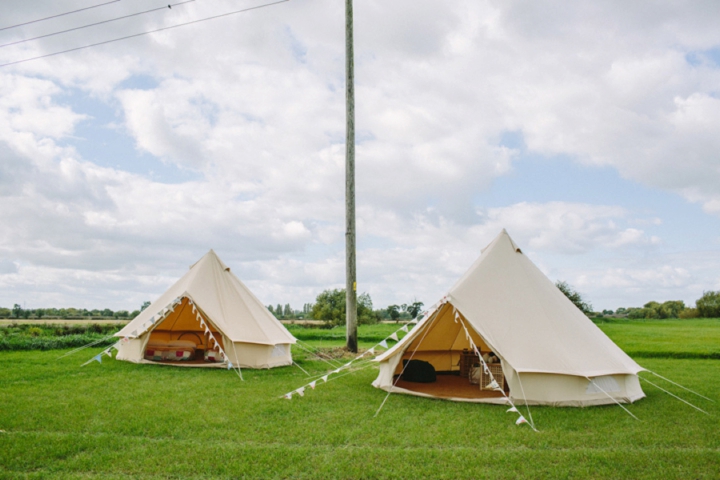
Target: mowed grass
(120, 420)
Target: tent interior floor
(449, 385)
(186, 363)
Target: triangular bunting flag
(230, 365)
(520, 420)
(512, 409)
(394, 336)
(494, 385)
(383, 344)
(301, 391)
(371, 351)
(324, 378)
(404, 328)
(312, 385)
(98, 357)
(288, 395)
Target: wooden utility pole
(350, 272)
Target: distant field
(116, 419)
(696, 338)
(60, 321)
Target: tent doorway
(459, 375)
(180, 338)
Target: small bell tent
(504, 333)
(208, 318)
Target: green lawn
(120, 420)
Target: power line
(97, 23)
(58, 15)
(144, 33)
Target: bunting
(371, 351)
(493, 383)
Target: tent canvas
(211, 313)
(549, 351)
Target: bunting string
(493, 382)
(371, 351)
(427, 329)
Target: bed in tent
(547, 351)
(208, 318)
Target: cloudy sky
(589, 130)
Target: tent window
(605, 383)
(279, 351)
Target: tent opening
(459, 374)
(181, 338)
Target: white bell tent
(548, 352)
(208, 318)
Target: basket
(497, 373)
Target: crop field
(121, 420)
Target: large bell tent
(547, 351)
(208, 318)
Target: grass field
(120, 420)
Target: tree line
(17, 312)
(329, 307)
(707, 306)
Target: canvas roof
(526, 319)
(225, 301)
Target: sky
(589, 130)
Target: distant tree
(394, 312)
(574, 297)
(17, 311)
(330, 307)
(122, 314)
(145, 305)
(278, 311)
(414, 309)
(107, 313)
(708, 305)
(271, 309)
(39, 313)
(621, 311)
(608, 312)
(134, 313)
(287, 311)
(5, 312)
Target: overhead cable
(58, 15)
(97, 23)
(144, 33)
